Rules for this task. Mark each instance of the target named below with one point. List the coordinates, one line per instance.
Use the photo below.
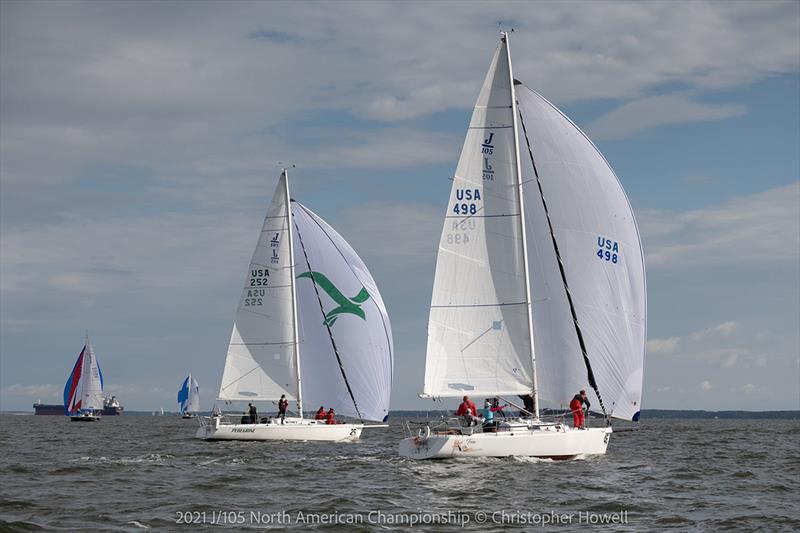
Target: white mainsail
(91, 380)
(261, 362)
(478, 331)
(479, 341)
(599, 246)
(346, 338)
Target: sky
(140, 144)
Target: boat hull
(292, 429)
(550, 442)
(85, 418)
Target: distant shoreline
(647, 414)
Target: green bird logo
(346, 305)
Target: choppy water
(133, 473)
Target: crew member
(576, 406)
(320, 413)
(468, 410)
(283, 404)
(330, 418)
(488, 417)
(251, 409)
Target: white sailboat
(539, 286)
(189, 397)
(83, 392)
(300, 334)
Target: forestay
(478, 331)
(345, 336)
(261, 355)
(599, 245)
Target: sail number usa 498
(607, 249)
(465, 201)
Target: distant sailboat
(189, 397)
(539, 286)
(83, 392)
(304, 277)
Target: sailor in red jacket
(320, 413)
(576, 406)
(468, 410)
(331, 417)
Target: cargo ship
(111, 407)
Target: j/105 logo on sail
(607, 249)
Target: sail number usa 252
(254, 294)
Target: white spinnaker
(588, 208)
(360, 327)
(261, 364)
(91, 382)
(193, 403)
(478, 336)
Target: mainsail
(478, 331)
(584, 262)
(346, 339)
(261, 363)
(189, 395)
(84, 388)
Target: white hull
(550, 441)
(291, 429)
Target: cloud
(706, 386)
(662, 346)
(749, 389)
(741, 231)
(646, 113)
(726, 329)
(45, 390)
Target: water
(132, 473)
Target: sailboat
(189, 397)
(539, 286)
(310, 327)
(83, 392)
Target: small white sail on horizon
(189, 396)
(83, 392)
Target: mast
(295, 334)
(518, 173)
